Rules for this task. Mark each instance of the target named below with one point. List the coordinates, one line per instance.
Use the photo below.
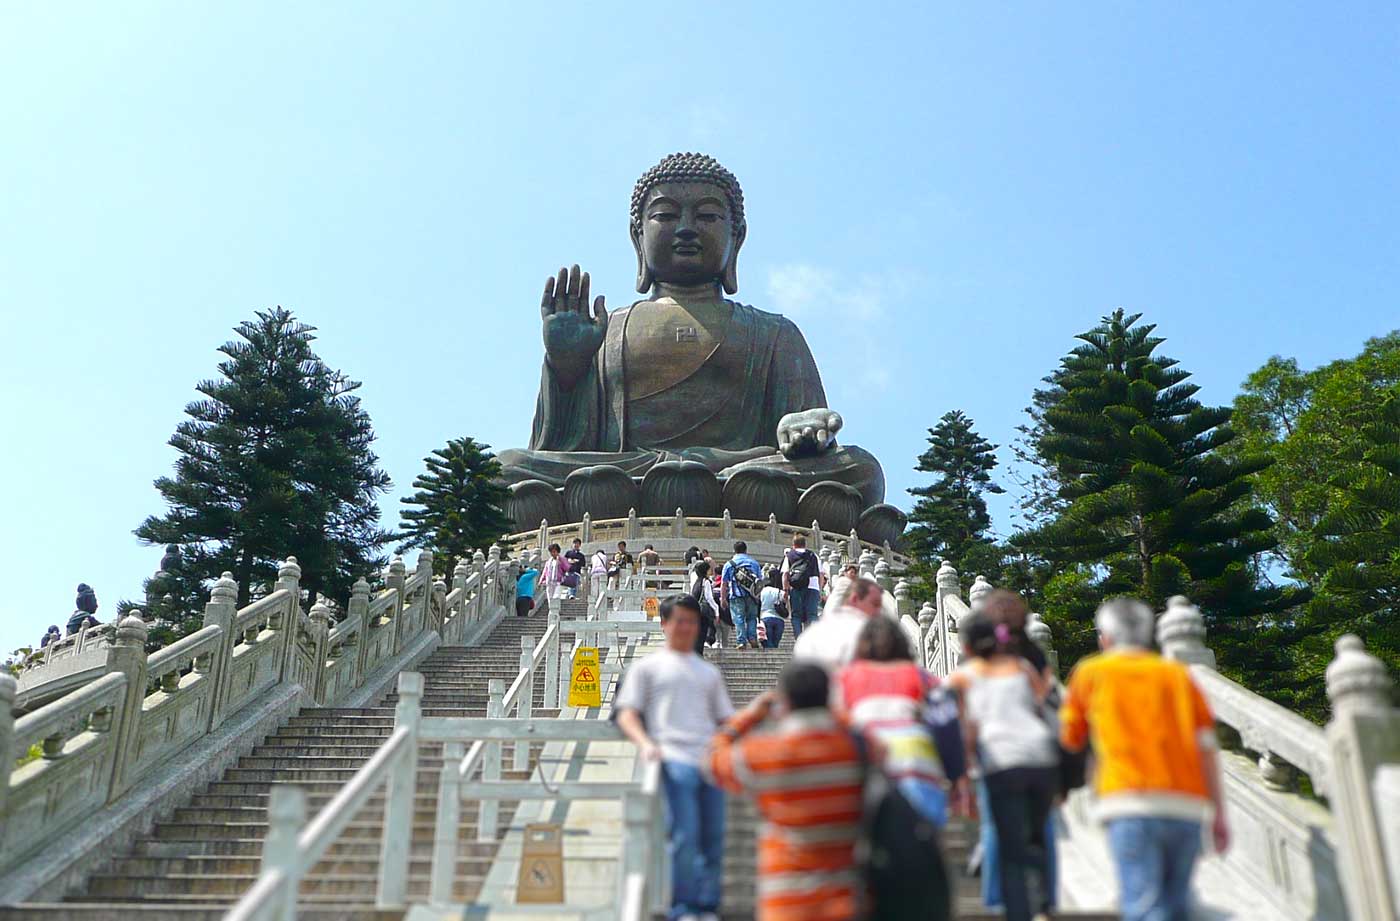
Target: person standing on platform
(621, 561)
(803, 581)
(670, 704)
(577, 561)
(649, 557)
(740, 582)
(807, 777)
(1158, 771)
(552, 575)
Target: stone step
(213, 911)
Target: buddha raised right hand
(571, 335)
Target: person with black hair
(740, 582)
(1015, 737)
(669, 705)
(807, 774)
(711, 626)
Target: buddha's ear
(730, 277)
(643, 273)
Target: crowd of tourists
(863, 756)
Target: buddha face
(687, 233)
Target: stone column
(1364, 736)
(883, 575)
(357, 612)
(127, 655)
(677, 530)
(726, 526)
(978, 593)
(772, 528)
(902, 601)
(544, 536)
(425, 573)
(1181, 633)
(586, 534)
(221, 611)
(1039, 633)
(9, 687)
(398, 576)
(634, 528)
(289, 578)
(320, 617)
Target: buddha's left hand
(809, 432)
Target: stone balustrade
(1325, 849)
(674, 533)
(138, 714)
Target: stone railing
(1329, 849)
(1335, 854)
(673, 534)
(64, 665)
(140, 713)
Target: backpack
(899, 854)
(800, 569)
(745, 576)
(941, 719)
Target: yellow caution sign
(541, 865)
(652, 606)
(586, 682)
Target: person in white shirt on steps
(670, 704)
(831, 641)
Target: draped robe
(720, 408)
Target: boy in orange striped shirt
(807, 777)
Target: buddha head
(687, 223)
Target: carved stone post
(397, 578)
(980, 589)
(288, 578)
(424, 572)
(551, 664)
(927, 615)
(587, 529)
(882, 575)
(357, 613)
(221, 611)
(493, 555)
(902, 601)
(866, 563)
(398, 798)
(320, 633)
(853, 545)
(437, 607)
(525, 704)
(772, 528)
(286, 814)
(127, 655)
(677, 528)
(1039, 633)
(489, 812)
(544, 536)
(726, 526)
(1364, 736)
(8, 756)
(479, 596)
(634, 529)
(1181, 633)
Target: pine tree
(1357, 551)
(275, 461)
(459, 505)
(949, 521)
(1153, 507)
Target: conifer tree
(1153, 507)
(275, 461)
(459, 505)
(949, 521)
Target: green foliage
(275, 460)
(949, 521)
(1151, 504)
(459, 505)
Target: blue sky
(940, 197)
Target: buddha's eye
(710, 217)
(663, 216)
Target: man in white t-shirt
(670, 704)
(831, 641)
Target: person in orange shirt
(1158, 774)
(807, 775)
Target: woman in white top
(703, 588)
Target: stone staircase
(198, 861)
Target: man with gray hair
(1158, 776)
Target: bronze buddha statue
(685, 374)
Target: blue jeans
(804, 604)
(927, 797)
(744, 610)
(773, 627)
(695, 838)
(991, 861)
(1154, 857)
